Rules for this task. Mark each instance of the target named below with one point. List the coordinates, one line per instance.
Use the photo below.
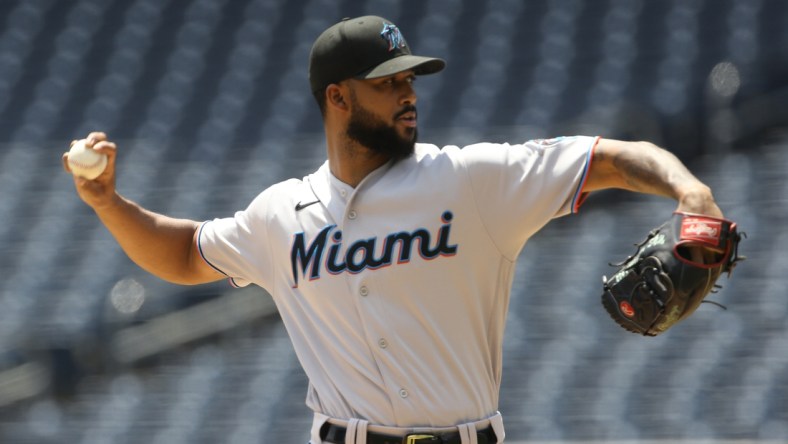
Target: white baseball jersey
(395, 292)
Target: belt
(332, 433)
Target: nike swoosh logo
(299, 206)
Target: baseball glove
(671, 272)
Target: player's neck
(351, 162)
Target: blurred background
(209, 103)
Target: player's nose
(407, 94)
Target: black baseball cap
(363, 48)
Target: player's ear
(335, 97)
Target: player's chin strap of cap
(359, 431)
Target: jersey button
(363, 291)
(342, 193)
(352, 214)
(382, 343)
(403, 393)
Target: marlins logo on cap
(392, 34)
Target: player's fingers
(107, 148)
(95, 137)
(697, 255)
(65, 161)
(703, 255)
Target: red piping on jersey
(581, 196)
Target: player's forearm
(159, 244)
(643, 167)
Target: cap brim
(421, 65)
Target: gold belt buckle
(413, 439)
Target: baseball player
(392, 264)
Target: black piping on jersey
(202, 255)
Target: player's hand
(699, 201)
(100, 191)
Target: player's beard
(375, 134)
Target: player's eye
(394, 80)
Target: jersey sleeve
(238, 246)
(519, 188)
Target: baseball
(84, 162)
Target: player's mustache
(405, 110)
